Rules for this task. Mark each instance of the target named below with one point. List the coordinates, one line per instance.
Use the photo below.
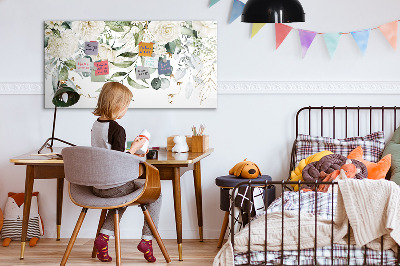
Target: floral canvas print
(166, 64)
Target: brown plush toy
(245, 169)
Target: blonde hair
(113, 97)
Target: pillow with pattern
(372, 145)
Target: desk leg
(27, 206)
(60, 190)
(176, 183)
(199, 204)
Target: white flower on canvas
(53, 24)
(107, 53)
(88, 30)
(205, 29)
(64, 46)
(129, 36)
(165, 31)
(159, 49)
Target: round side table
(228, 182)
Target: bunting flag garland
(332, 41)
(256, 28)
(237, 8)
(306, 39)
(389, 30)
(361, 37)
(213, 2)
(281, 31)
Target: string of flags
(361, 37)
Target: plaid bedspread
(321, 205)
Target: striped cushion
(372, 145)
(13, 228)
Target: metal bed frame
(283, 184)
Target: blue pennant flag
(332, 41)
(213, 2)
(237, 9)
(361, 38)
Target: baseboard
(259, 87)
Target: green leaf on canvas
(63, 73)
(66, 25)
(134, 84)
(70, 64)
(115, 26)
(186, 31)
(170, 47)
(118, 74)
(124, 64)
(128, 54)
(138, 37)
(46, 41)
(124, 23)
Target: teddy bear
(245, 169)
(13, 215)
(180, 144)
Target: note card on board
(91, 48)
(145, 48)
(164, 67)
(83, 65)
(142, 72)
(94, 78)
(151, 62)
(101, 68)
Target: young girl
(112, 104)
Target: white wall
(259, 127)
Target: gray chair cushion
(99, 167)
(84, 196)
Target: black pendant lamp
(273, 11)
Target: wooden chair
(85, 167)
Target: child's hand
(142, 155)
(137, 144)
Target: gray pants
(154, 208)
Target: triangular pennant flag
(389, 30)
(213, 2)
(306, 39)
(237, 9)
(361, 37)
(281, 31)
(332, 41)
(255, 28)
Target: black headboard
(344, 121)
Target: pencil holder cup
(200, 143)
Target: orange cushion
(375, 170)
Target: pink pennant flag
(306, 39)
(389, 30)
(281, 31)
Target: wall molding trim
(21, 88)
(260, 87)
(309, 87)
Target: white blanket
(371, 206)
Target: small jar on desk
(228, 182)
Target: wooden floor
(50, 252)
